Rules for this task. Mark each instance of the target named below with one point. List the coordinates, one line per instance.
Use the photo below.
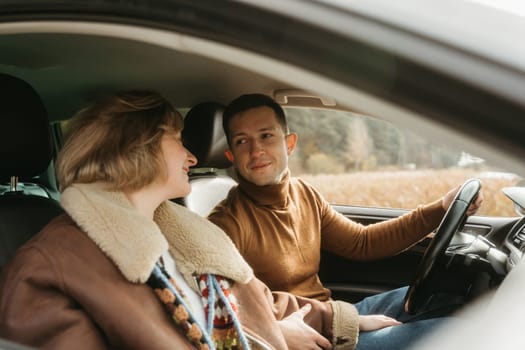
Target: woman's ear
(229, 155)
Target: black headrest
(204, 137)
(25, 142)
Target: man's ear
(229, 155)
(291, 141)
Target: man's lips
(259, 166)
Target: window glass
(357, 160)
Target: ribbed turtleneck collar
(269, 195)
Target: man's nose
(257, 148)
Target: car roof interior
(83, 67)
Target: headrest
(25, 140)
(204, 137)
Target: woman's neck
(145, 200)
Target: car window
(358, 160)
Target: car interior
(201, 103)
(51, 68)
(212, 178)
(26, 151)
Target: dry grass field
(407, 189)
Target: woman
(127, 268)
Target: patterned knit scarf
(223, 330)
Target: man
(280, 223)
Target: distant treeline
(331, 144)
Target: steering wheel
(420, 291)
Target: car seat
(25, 152)
(204, 137)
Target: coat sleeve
(260, 309)
(34, 311)
(256, 313)
(338, 321)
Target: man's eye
(240, 141)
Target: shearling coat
(80, 283)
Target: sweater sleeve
(352, 240)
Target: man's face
(259, 146)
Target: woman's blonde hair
(118, 141)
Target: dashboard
(515, 243)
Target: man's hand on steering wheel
(458, 204)
(447, 199)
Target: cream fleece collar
(135, 243)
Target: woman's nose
(191, 158)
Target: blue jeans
(391, 303)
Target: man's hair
(117, 140)
(249, 101)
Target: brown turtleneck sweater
(281, 229)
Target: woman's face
(178, 162)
